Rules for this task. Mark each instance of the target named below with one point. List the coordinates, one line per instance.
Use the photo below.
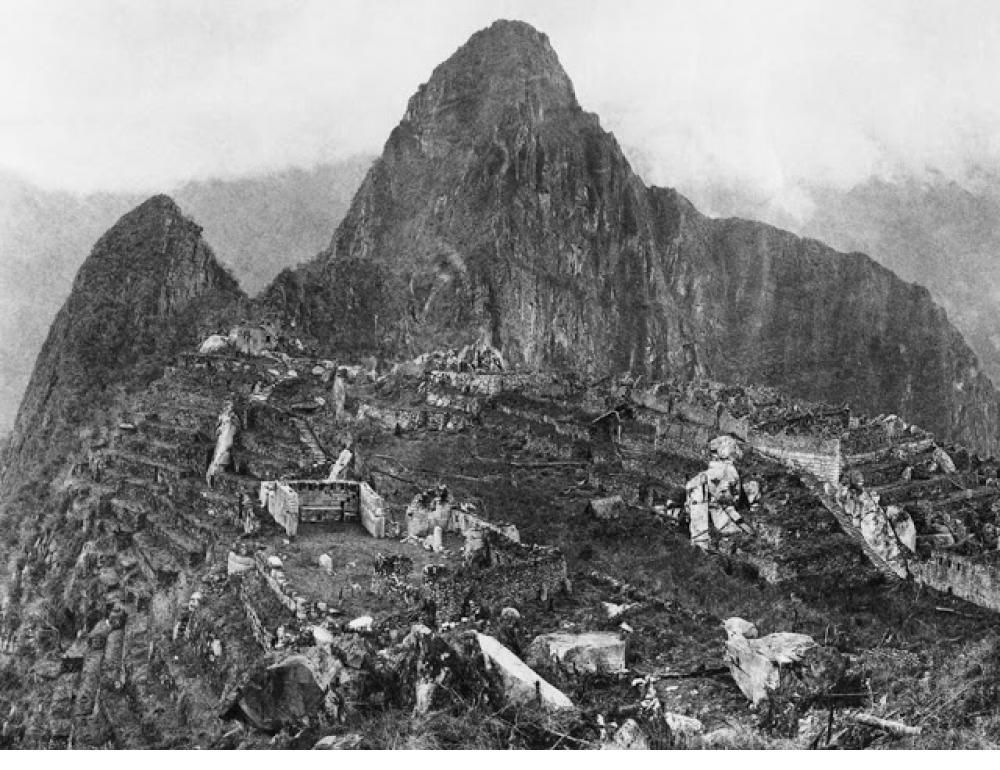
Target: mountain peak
(507, 69)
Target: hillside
(259, 225)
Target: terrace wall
(975, 581)
(819, 457)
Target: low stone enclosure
(315, 501)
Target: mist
(769, 98)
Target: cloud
(771, 95)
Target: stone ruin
(316, 501)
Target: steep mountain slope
(147, 287)
(258, 225)
(500, 210)
(939, 233)
(935, 231)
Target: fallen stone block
(756, 663)
(595, 652)
(521, 684)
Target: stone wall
(372, 510)
(819, 457)
(974, 580)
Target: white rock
(617, 610)
(364, 623)
(214, 344)
(425, 690)
(321, 635)
(326, 563)
(595, 652)
(274, 562)
(522, 685)
(755, 663)
(683, 725)
(944, 461)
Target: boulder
(214, 344)
(281, 694)
(612, 610)
(944, 461)
(628, 737)
(521, 684)
(326, 563)
(903, 526)
(595, 652)
(362, 624)
(755, 663)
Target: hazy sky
(129, 94)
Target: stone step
(308, 439)
(882, 473)
(978, 495)
(906, 447)
(901, 492)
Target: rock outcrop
(501, 211)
